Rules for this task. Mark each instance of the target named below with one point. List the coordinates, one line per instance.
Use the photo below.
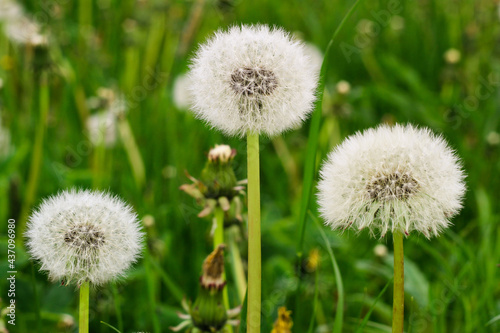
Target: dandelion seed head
(392, 178)
(102, 128)
(181, 94)
(83, 235)
(252, 78)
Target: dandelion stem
(254, 250)
(219, 227)
(84, 308)
(399, 293)
(219, 239)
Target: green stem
(254, 250)
(219, 227)
(219, 239)
(238, 270)
(84, 308)
(399, 292)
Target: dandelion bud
(283, 323)
(217, 184)
(208, 311)
(81, 236)
(397, 178)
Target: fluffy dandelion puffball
(399, 178)
(81, 236)
(252, 79)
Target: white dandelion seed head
(102, 128)
(10, 10)
(181, 94)
(82, 235)
(252, 79)
(25, 31)
(399, 178)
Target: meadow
(430, 63)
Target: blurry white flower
(343, 87)
(81, 236)
(493, 138)
(397, 178)
(25, 31)
(102, 128)
(315, 54)
(10, 10)
(181, 92)
(452, 56)
(252, 79)
(380, 250)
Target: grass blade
(367, 317)
(312, 143)
(339, 314)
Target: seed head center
(255, 81)
(392, 186)
(84, 236)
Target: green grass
(140, 47)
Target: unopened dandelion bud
(208, 312)
(218, 175)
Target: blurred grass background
(395, 57)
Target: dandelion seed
(252, 79)
(84, 236)
(392, 178)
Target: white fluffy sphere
(81, 236)
(252, 79)
(391, 178)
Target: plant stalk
(219, 239)
(83, 326)
(399, 292)
(254, 247)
